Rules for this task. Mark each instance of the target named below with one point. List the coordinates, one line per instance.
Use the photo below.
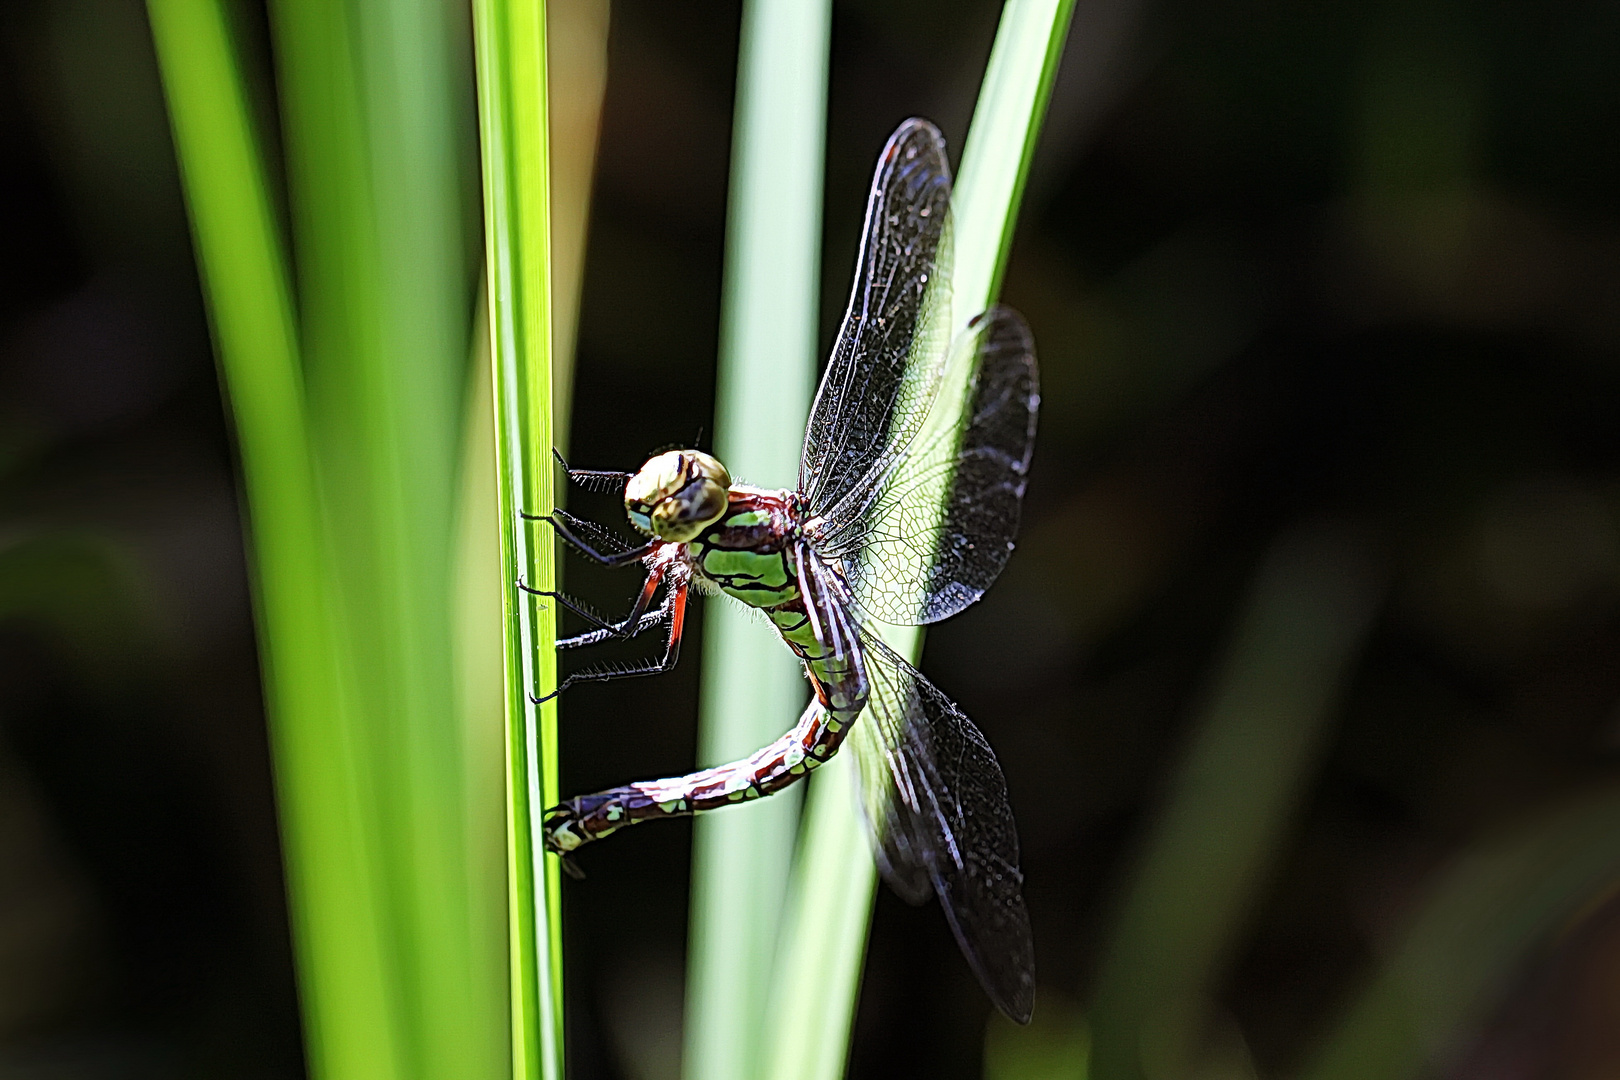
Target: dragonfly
(861, 541)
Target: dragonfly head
(677, 495)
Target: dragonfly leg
(568, 528)
(675, 608)
(596, 637)
(632, 626)
(592, 479)
(638, 621)
(604, 480)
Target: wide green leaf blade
(368, 104)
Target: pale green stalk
(511, 57)
(1251, 754)
(752, 687)
(1000, 143)
(829, 905)
(824, 933)
(335, 876)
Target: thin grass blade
(481, 704)
(1000, 145)
(511, 58)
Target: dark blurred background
(1341, 271)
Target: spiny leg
(599, 536)
(596, 637)
(568, 528)
(676, 606)
(606, 630)
(606, 480)
(632, 624)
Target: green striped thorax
(677, 495)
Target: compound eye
(677, 495)
(708, 467)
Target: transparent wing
(885, 365)
(908, 563)
(936, 801)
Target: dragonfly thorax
(677, 494)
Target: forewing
(908, 563)
(937, 803)
(885, 365)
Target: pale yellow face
(677, 495)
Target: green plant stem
(1250, 755)
(333, 861)
(752, 687)
(1000, 145)
(481, 703)
(818, 976)
(829, 911)
(511, 59)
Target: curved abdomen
(748, 556)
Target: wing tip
(912, 128)
(1010, 986)
(1005, 321)
(1020, 1009)
(916, 123)
(1015, 997)
(1014, 993)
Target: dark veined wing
(936, 801)
(908, 563)
(885, 365)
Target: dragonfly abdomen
(838, 679)
(812, 741)
(841, 690)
